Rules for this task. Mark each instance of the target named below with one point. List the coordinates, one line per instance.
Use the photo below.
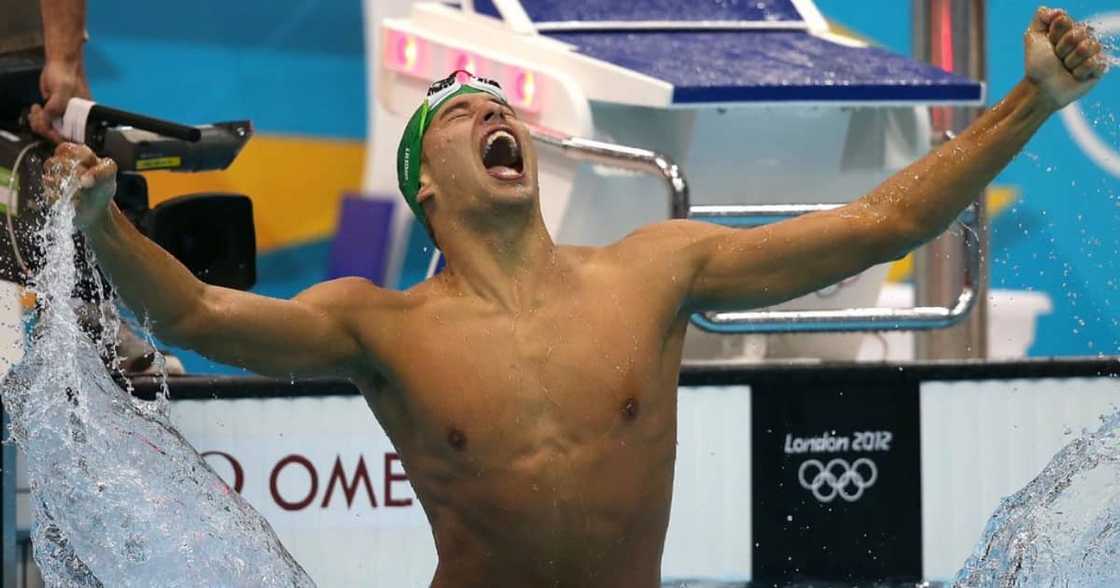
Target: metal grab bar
(772, 321)
(847, 320)
(622, 157)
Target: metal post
(623, 157)
(950, 34)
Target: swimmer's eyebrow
(464, 104)
(455, 107)
(503, 105)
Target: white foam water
(1063, 528)
(119, 498)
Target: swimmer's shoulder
(654, 242)
(670, 232)
(355, 294)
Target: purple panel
(361, 246)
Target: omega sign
(378, 483)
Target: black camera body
(211, 234)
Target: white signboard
(325, 476)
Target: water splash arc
(119, 498)
(1061, 529)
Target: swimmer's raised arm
(311, 334)
(735, 268)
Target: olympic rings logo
(838, 478)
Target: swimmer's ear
(427, 187)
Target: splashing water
(119, 498)
(1063, 528)
(1110, 44)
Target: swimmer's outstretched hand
(97, 178)
(1063, 56)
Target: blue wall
(292, 66)
(1062, 237)
(297, 67)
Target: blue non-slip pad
(771, 66)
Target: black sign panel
(836, 480)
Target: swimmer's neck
(506, 264)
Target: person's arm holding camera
(64, 75)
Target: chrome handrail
(846, 320)
(772, 321)
(622, 157)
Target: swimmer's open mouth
(501, 155)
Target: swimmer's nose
(492, 113)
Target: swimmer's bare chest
(544, 440)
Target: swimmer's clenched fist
(97, 177)
(1064, 57)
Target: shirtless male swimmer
(531, 389)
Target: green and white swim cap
(409, 151)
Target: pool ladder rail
(774, 321)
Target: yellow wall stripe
(296, 185)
